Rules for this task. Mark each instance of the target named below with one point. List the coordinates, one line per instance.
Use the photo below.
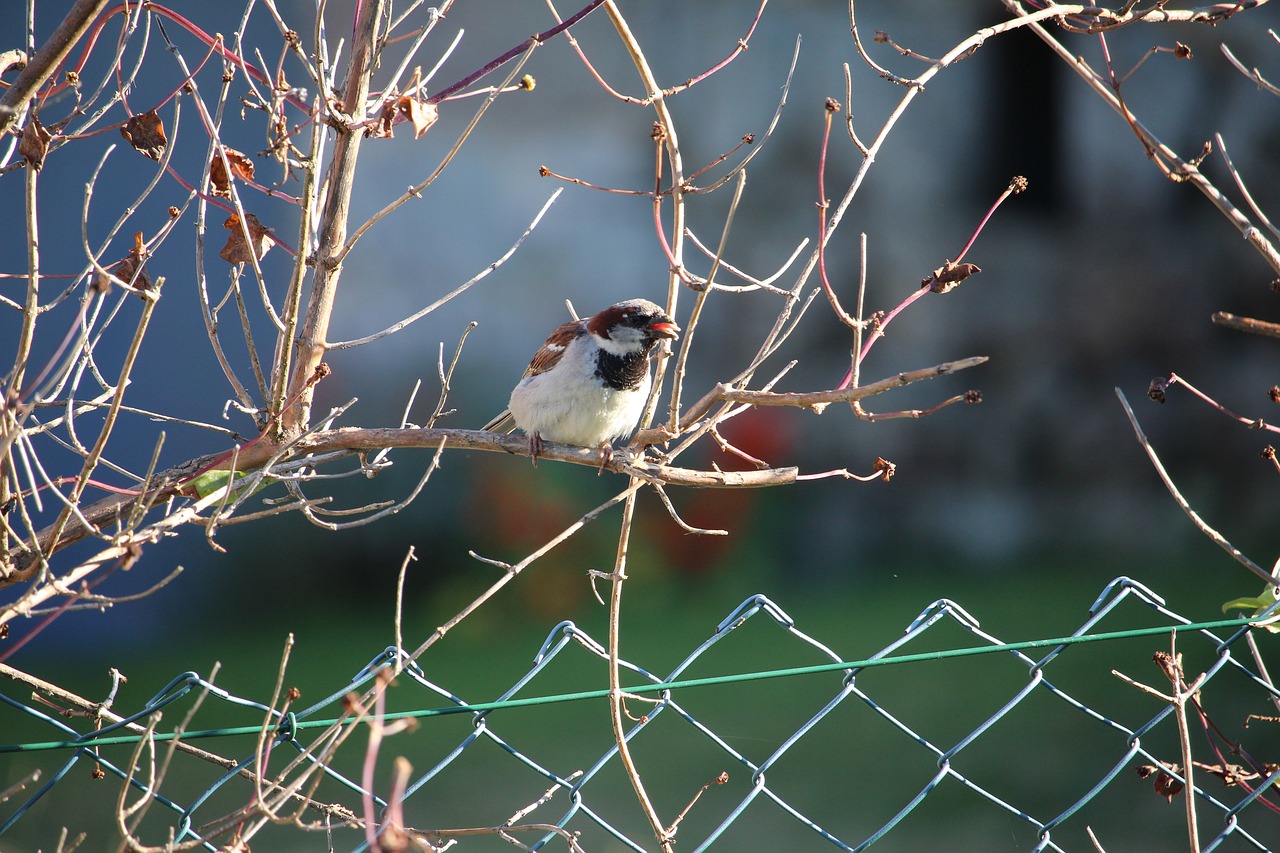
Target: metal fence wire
(946, 738)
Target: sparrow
(588, 384)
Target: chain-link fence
(976, 744)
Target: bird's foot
(606, 456)
(535, 447)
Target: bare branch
(313, 335)
(462, 288)
(47, 59)
(1247, 324)
(1252, 73)
(1216, 537)
(1182, 169)
(819, 400)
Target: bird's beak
(664, 329)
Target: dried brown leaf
(131, 269)
(1164, 783)
(1167, 786)
(418, 113)
(421, 115)
(35, 143)
(241, 167)
(145, 133)
(381, 129)
(949, 276)
(1156, 390)
(237, 250)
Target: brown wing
(548, 355)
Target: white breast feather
(569, 405)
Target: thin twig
(1183, 169)
(616, 694)
(466, 285)
(1216, 537)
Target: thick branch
(354, 440)
(47, 60)
(333, 224)
(113, 508)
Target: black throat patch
(623, 372)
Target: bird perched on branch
(587, 385)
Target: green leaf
(210, 481)
(1256, 605)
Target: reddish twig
(449, 91)
(1158, 386)
(543, 171)
(1016, 186)
(659, 137)
(692, 81)
(739, 48)
(832, 107)
(946, 277)
(971, 397)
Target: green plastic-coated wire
(656, 687)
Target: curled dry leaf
(1171, 666)
(241, 167)
(35, 143)
(381, 129)
(948, 276)
(419, 114)
(237, 250)
(132, 269)
(1164, 783)
(145, 133)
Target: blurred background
(1102, 275)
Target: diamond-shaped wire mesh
(916, 747)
